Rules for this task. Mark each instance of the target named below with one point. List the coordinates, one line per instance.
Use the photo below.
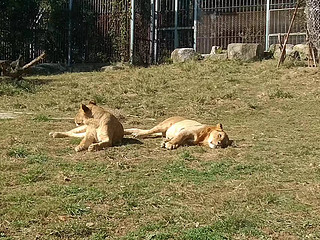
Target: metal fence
(85, 31)
(79, 31)
(256, 21)
(174, 26)
(280, 15)
(224, 22)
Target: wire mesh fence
(256, 21)
(313, 21)
(224, 22)
(281, 12)
(99, 30)
(91, 31)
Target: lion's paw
(163, 144)
(55, 134)
(138, 135)
(93, 147)
(135, 135)
(79, 148)
(170, 146)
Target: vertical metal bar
(132, 21)
(195, 22)
(152, 32)
(69, 33)
(155, 45)
(233, 10)
(267, 24)
(176, 38)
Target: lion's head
(218, 137)
(84, 113)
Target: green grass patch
(212, 171)
(11, 87)
(280, 94)
(34, 175)
(75, 141)
(152, 231)
(186, 155)
(71, 231)
(37, 158)
(21, 152)
(224, 229)
(204, 233)
(18, 152)
(41, 118)
(99, 99)
(78, 194)
(76, 209)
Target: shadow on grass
(11, 87)
(130, 141)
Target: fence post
(152, 29)
(155, 51)
(132, 22)
(267, 24)
(195, 22)
(70, 33)
(176, 38)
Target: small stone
(216, 50)
(184, 54)
(111, 68)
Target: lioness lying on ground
(99, 128)
(179, 131)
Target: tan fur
(98, 128)
(179, 131)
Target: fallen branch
(14, 69)
(34, 61)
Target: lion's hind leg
(142, 133)
(180, 139)
(158, 130)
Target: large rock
(183, 55)
(111, 68)
(245, 51)
(302, 50)
(48, 68)
(275, 48)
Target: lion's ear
(92, 102)
(85, 108)
(219, 126)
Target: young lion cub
(99, 128)
(179, 131)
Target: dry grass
(267, 187)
